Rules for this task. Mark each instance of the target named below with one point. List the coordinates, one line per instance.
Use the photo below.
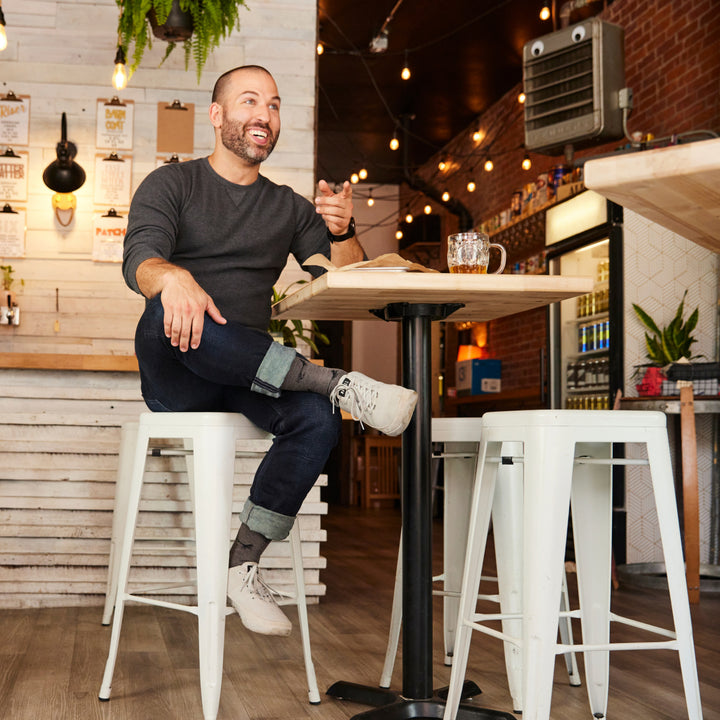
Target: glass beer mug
(469, 252)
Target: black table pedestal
(418, 700)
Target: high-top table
(415, 299)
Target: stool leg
(566, 635)
(214, 464)
(133, 503)
(507, 536)
(126, 456)
(545, 517)
(297, 563)
(483, 492)
(592, 517)
(395, 624)
(459, 477)
(663, 489)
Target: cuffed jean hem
(273, 369)
(268, 523)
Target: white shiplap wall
(60, 431)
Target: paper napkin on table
(388, 260)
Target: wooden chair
(377, 469)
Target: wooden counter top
(677, 187)
(52, 361)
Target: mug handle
(503, 257)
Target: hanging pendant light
(3, 34)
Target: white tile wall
(659, 266)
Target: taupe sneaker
(387, 408)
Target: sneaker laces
(257, 586)
(361, 399)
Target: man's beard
(234, 138)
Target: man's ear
(216, 113)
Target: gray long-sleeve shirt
(233, 239)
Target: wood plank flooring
(51, 660)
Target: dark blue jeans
(218, 377)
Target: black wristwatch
(346, 235)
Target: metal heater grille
(571, 80)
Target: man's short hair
(222, 81)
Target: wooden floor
(51, 661)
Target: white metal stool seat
(567, 457)
(461, 440)
(210, 440)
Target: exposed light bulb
(471, 186)
(405, 74)
(354, 178)
(488, 165)
(522, 98)
(545, 12)
(398, 234)
(477, 136)
(320, 48)
(445, 196)
(120, 76)
(3, 34)
(362, 173)
(526, 163)
(427, 209)
(442, 165)
(409, 218)
(370, 200)
(394, 143)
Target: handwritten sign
(115, 124)
(13, 177)
(12, 233)
(113, 176)
(14, 119)
(108, 236)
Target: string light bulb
(427, 209)
(545, 11)
(522, 97)
(362, 173)
(3, 34)
(398, 234)
(320, 48)
(354, 178)
(371, 199)
(471, 186)
(405, 73)
(488, 164)
(526, 163)
(442, 165)
(445, 196)
(477, 135)
(409, 218)
(394, 143)
(120, 76)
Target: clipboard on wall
(176, 128)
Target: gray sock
(307, 376)
(248, 546)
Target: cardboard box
(478, 377)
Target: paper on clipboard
(388, 261)
(14, 119)
(176, 128)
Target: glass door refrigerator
(583, 236)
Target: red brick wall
(672, 64)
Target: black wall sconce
(64, 176)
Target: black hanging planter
(177, 28)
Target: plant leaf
(646, 320)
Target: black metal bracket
(434, 311)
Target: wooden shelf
(52, 361)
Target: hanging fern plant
(199, 25)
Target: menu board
(115, 120)
(14, 119)
(113, 178)
(108, 236)
(12, 232)
(13, 176)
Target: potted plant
(665, 347)
(210, 22)
(288, 332)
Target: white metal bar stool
(210, 441)
(567, 462)
(461, 440)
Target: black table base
(388, 705)
(418, 699)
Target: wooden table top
(351, 294)
(677, 187)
